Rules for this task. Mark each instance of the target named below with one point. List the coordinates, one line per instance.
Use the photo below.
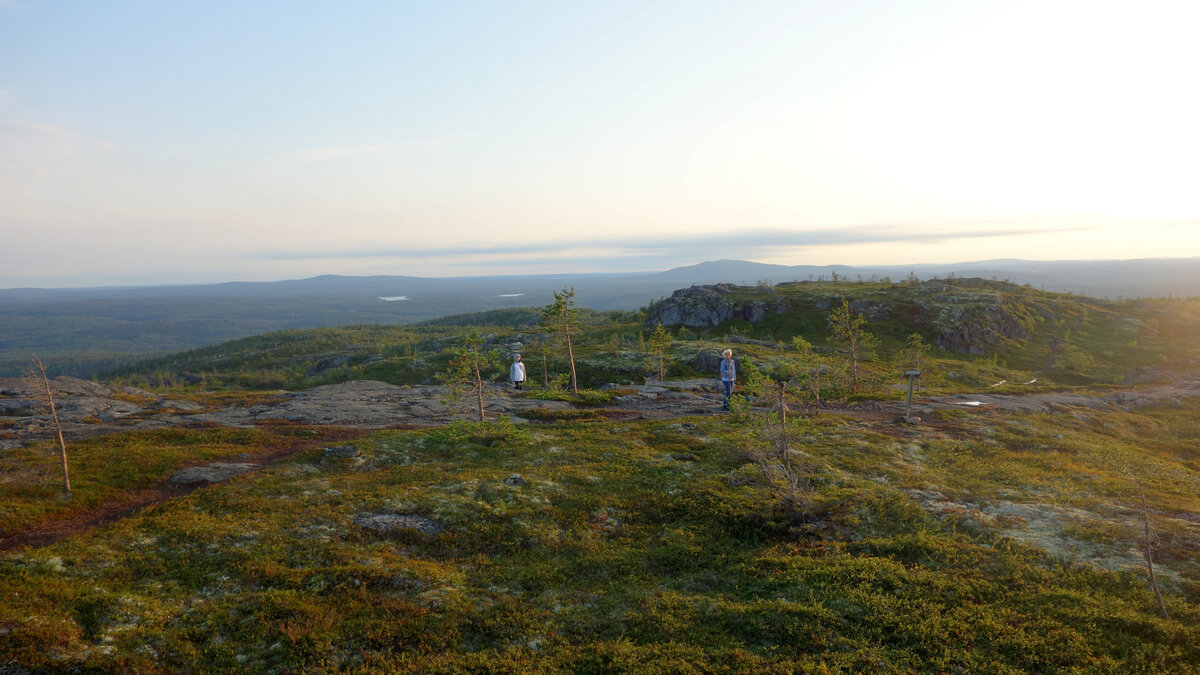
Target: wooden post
(911, 376)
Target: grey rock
(708, 361)
(973, 323)
(73, 386)
(705, 307)
(514, 480)
(18, 407)
(213, 473)
(328, 362)
(343, 451)
(185, 406)
(394, 522)
(871, 310)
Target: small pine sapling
(560, 318)
(849, 329)
(813, 373)
(468, 366)
(659, 359)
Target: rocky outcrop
(704, 307)
(871, 310)
(972, 323)
(74, 399)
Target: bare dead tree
(39, 385)
(1149, 560)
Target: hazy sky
(182, 142)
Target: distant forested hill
(85, 331)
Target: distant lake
(393, 298)
(509, 295)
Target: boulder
(708, 361)
(514, 480)
(343, 451)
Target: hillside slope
(87, 331)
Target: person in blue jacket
(728, 376)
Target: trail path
(134, 502)
(90, 409)
(344, 411)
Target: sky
(195, 142)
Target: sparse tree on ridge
(658, 343)
(914, 355)
(468, 366)
(814, 371)
(915, 350)
(559, 317)
(850, 330)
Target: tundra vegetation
(772, 539)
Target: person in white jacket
(516, 372)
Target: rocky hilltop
(968, 316)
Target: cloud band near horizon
(723, 245)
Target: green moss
(648, 546)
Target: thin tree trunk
(479, 391)
(854, 365)
(817, 397)
(1150, 561)
(62, 443)
(571, 358)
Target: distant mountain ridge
(86, 330)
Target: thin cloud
(729, 245)
(45, 132)
(33, 147)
